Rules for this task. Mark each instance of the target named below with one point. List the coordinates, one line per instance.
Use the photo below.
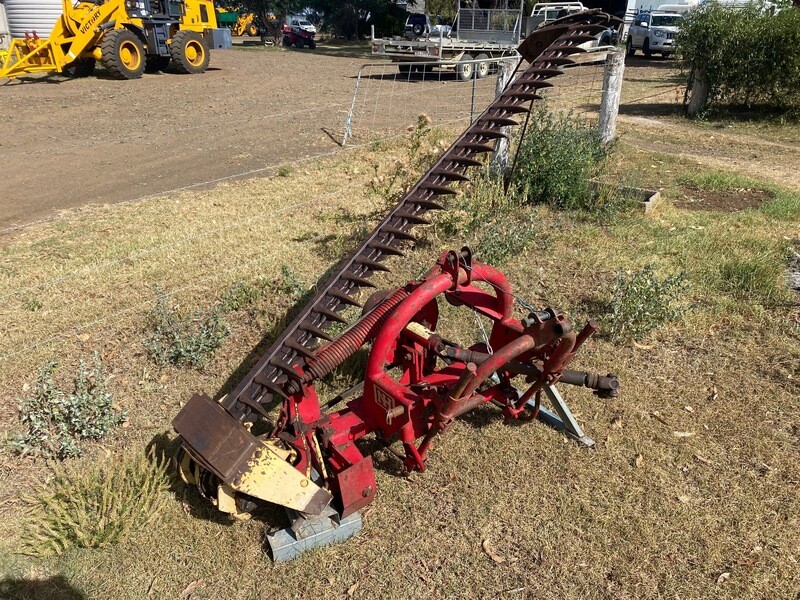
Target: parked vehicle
(544, 13)
(301, 23)
(420, 25)
(654, 32)
(477, 36)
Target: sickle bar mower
(416, 382)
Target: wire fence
(389, 96)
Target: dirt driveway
(67, 143)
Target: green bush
(96, 506)
(641, 302)
(183, 339)
(558, 159)
(57, 422)
(746, 54)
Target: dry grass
(647, 514)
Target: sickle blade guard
(309, 463)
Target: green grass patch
(718, 181)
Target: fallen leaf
(703, 459)
(192, 587)
(683, 434)
(352, 590)
(616, 422)
(642, 346)
(637, 462)
(487, 547)
(723, 578)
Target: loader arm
(71, 37)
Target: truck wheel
(287, 41)
(312, 44)
(189, 52)
(631, 49)
(466, 70)
(252, 30)
(82, 67)
(418, 28)
(298, 42)
(482, 68)
(646, 48)
(122, 54)
(156, 63)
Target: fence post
(505, 70)
(612, 87)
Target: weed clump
(57, 422)
(96, 506)
(642, 302)
(558, 159)
(183, 339)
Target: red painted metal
(409, 389)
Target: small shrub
(642, 302)
(505, 237)
(558, 159)
(746, 54)
(57, 422)
(241, 294)
(95, 507)
(183, 339)
(284, 171)
(290, 284)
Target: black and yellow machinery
(128, 37)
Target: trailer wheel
(252, 30)
(404, 69)
(189, 52)
(155, 63)
(298, 42)
(482, 68)
(465, 70)
(122, 54)
(82, 67)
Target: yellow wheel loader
(129, 37)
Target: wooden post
(612, 88)
(505, 69)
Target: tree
(353, 18)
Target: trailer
(478, 36)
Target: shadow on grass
(654, 109)
(53, 588)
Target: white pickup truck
(654, 32)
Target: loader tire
(122, 54)
(82, 67)
(189, 52)
(156, 63)
(252, 30)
